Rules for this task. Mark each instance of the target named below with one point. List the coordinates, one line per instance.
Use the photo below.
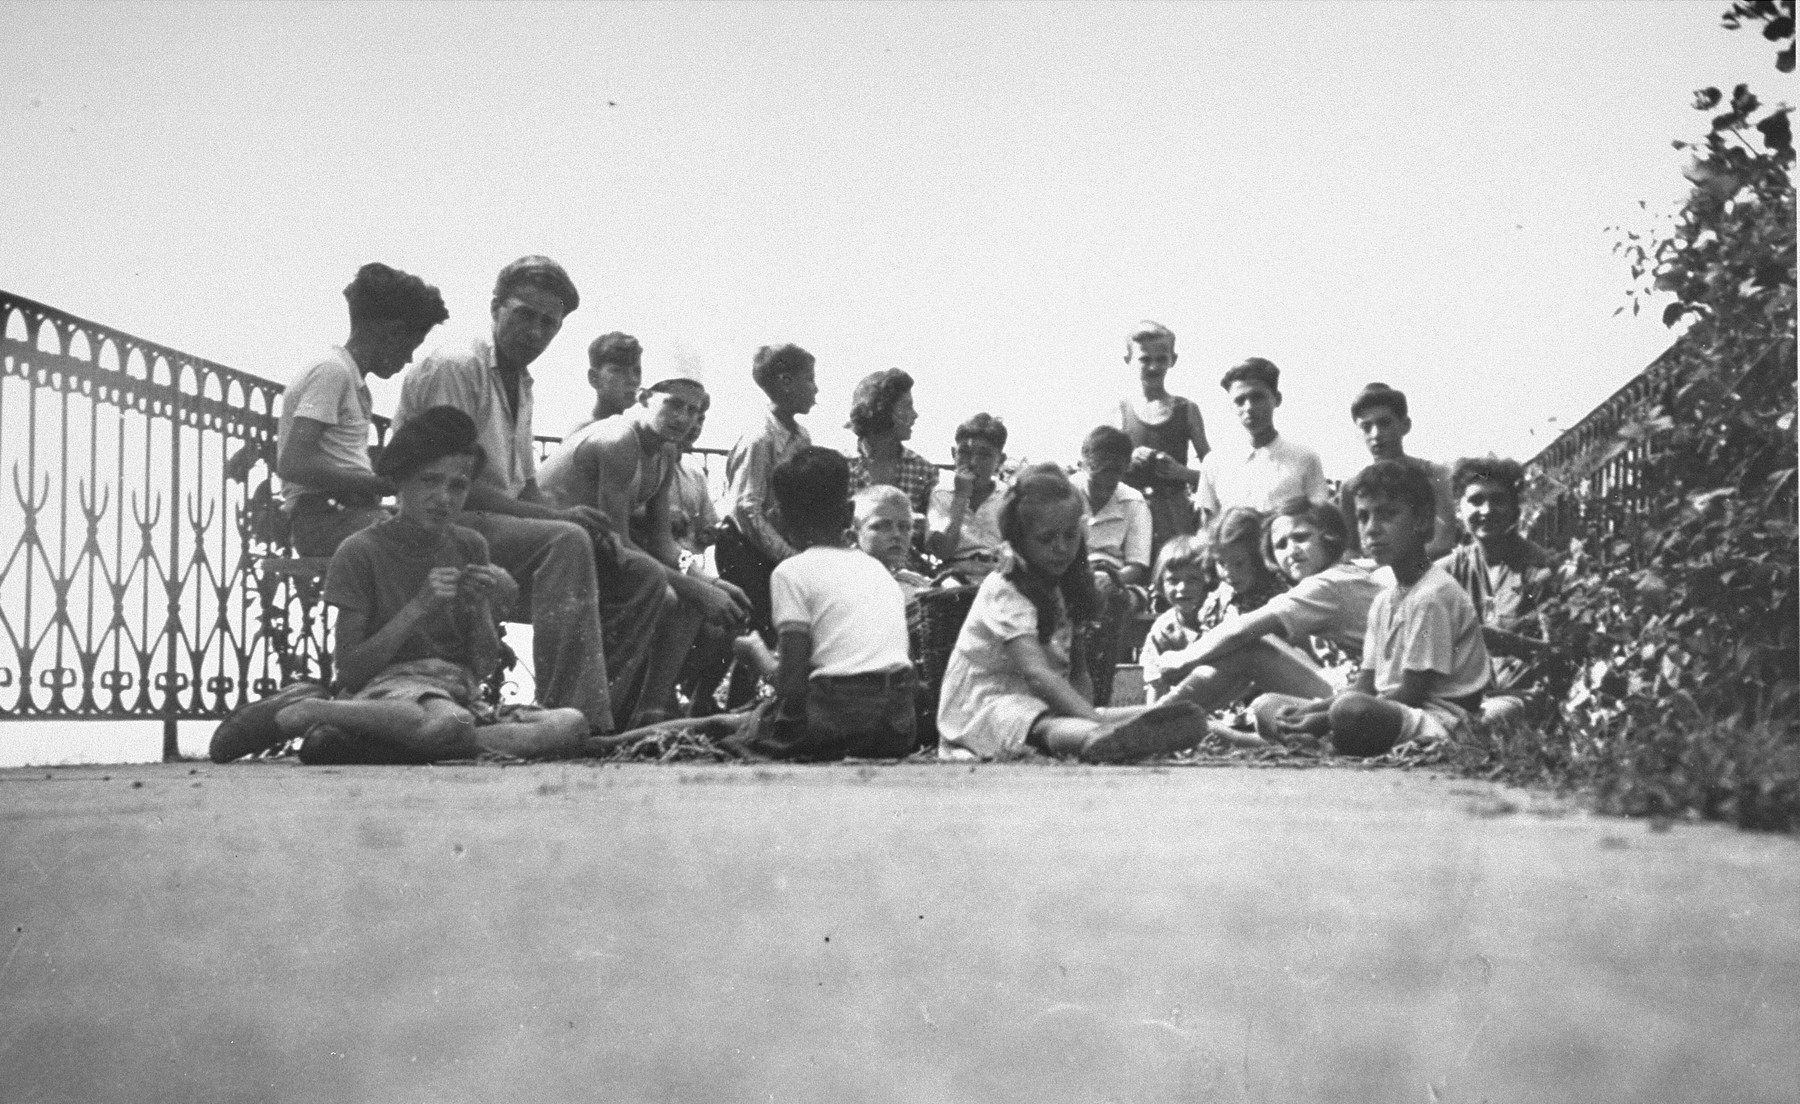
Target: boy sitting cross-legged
(1424, 665)
(417, 599)
(844, 681)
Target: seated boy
(965, 517)
(1118, 543)
(844, 681)
(417, 599)
(882, 519)
(1379, 412)
(1424, 665)
(1505, 575)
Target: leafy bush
(1678, 614)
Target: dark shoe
(328, 745)
(1158, 731)
(252, 728)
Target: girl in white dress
(1011, 684)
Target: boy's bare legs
(435, 727)
(1261, 666)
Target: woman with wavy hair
(882, 417)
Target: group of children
(1268, 605)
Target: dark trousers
(851, 716)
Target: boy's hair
(1399, 481)
(812, 487)
(872, 498)
(382, 294)
(1378, 394)
(777, 362)
(1147, 332)
(541, 273)
(435, 433)
(1106, 441)
(1254, 370)
(983, 427)
(615, 348)
(1182, 550)
(1324, 517)
(1043, 485)
(1488, 469)
(872, 404)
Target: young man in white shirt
(1271, 469)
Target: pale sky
(985, 195)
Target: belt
(898, 678)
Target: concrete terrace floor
(933, 933)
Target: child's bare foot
(1157, 731)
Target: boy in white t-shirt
(844, 680)
(1424, 664)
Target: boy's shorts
(417, 680)
(866, 716)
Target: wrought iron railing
(126, 587)
(1593, 481)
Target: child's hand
(965, 482)
(1302, 720)
(480, 582)
(441, 585)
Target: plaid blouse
(917, 477)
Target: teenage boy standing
(1269, 472)
(1379, 412)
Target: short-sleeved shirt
(846, 600)
(917, 476)
(1119, 531)
(1443, 532)
(1332, 605)
(329, 390)
(981, 524)
(1429, 626)
(750, 494)
(469, 381)
(571, 475)
(1261, 478)
(377, 571)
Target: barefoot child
(1011, 683)
(1327, 607)
(416, 599)
(1424, 666)
(843, 682)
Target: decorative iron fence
(127, 589)
(1592, 481)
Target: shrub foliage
(1679, 616)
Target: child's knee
(447, 731)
